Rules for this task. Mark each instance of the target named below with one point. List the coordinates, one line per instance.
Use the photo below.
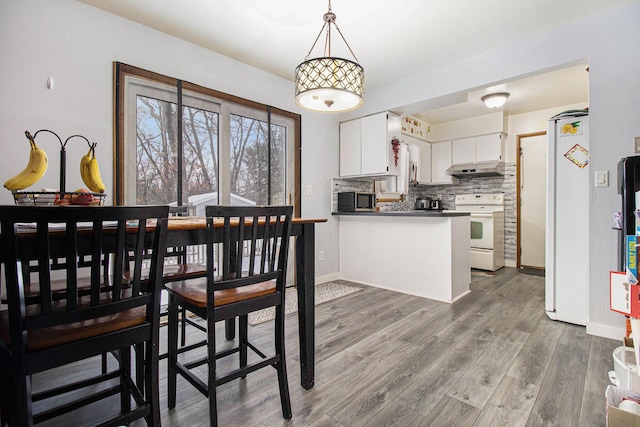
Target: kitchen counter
(416, 213)
(423, 253)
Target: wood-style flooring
(388, 359)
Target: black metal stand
(32, 196)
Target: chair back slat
(264, 232)
(85, 237)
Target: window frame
(123, 71)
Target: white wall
(473, 126)
(76, 44)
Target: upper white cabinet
(464, 150)
(441, 157)
(482, 148)
(350, 148)
(365, 145)
(490, 147)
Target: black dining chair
(178, 266)
(247, 249)
(111, 317)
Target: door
(531, 185)
(481, 230)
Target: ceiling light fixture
(495, 100)
(329, 84)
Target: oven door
(481, 230)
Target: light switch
(309, 190)
(602, 178)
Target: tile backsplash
(446, 193)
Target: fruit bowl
(83, 198)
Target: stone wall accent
(446, 193)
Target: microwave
(352, 201)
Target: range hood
(492, 168)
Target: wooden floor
(388, 359)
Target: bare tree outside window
(157, 152)
(251, 159)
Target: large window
(183, 144)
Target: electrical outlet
(321, 255)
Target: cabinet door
(440, 162)
(490, 147)
(350, 148)
(464, 150)
(375, 147)
(424, 166)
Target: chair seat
(63, 334)
(195, 292)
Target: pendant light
(326, 83)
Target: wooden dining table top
(198, 222)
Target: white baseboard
(327, 278)
(606, 331)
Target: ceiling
(391, 39)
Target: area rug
(324, 292)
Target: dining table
(189, 230)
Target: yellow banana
(36, 167)
(90, 171)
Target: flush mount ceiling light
(495, 100)
(326, 83)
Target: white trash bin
(625, 373)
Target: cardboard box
(624, 297)
(618, 417)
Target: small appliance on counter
(353, 201)
(422, 203)
(436, 205)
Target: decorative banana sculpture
(36, 167)
(90, 172)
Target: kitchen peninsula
(423, 253)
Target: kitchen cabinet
(365, 145)
(441, 157)
(463, 150)
(483, 148)
(350, 148)
(490, 147)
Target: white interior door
(532, 199)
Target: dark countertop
(417, 213)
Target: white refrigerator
(567, 218)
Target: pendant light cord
(329, 18)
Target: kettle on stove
(435, 205)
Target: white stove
(487, 228)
